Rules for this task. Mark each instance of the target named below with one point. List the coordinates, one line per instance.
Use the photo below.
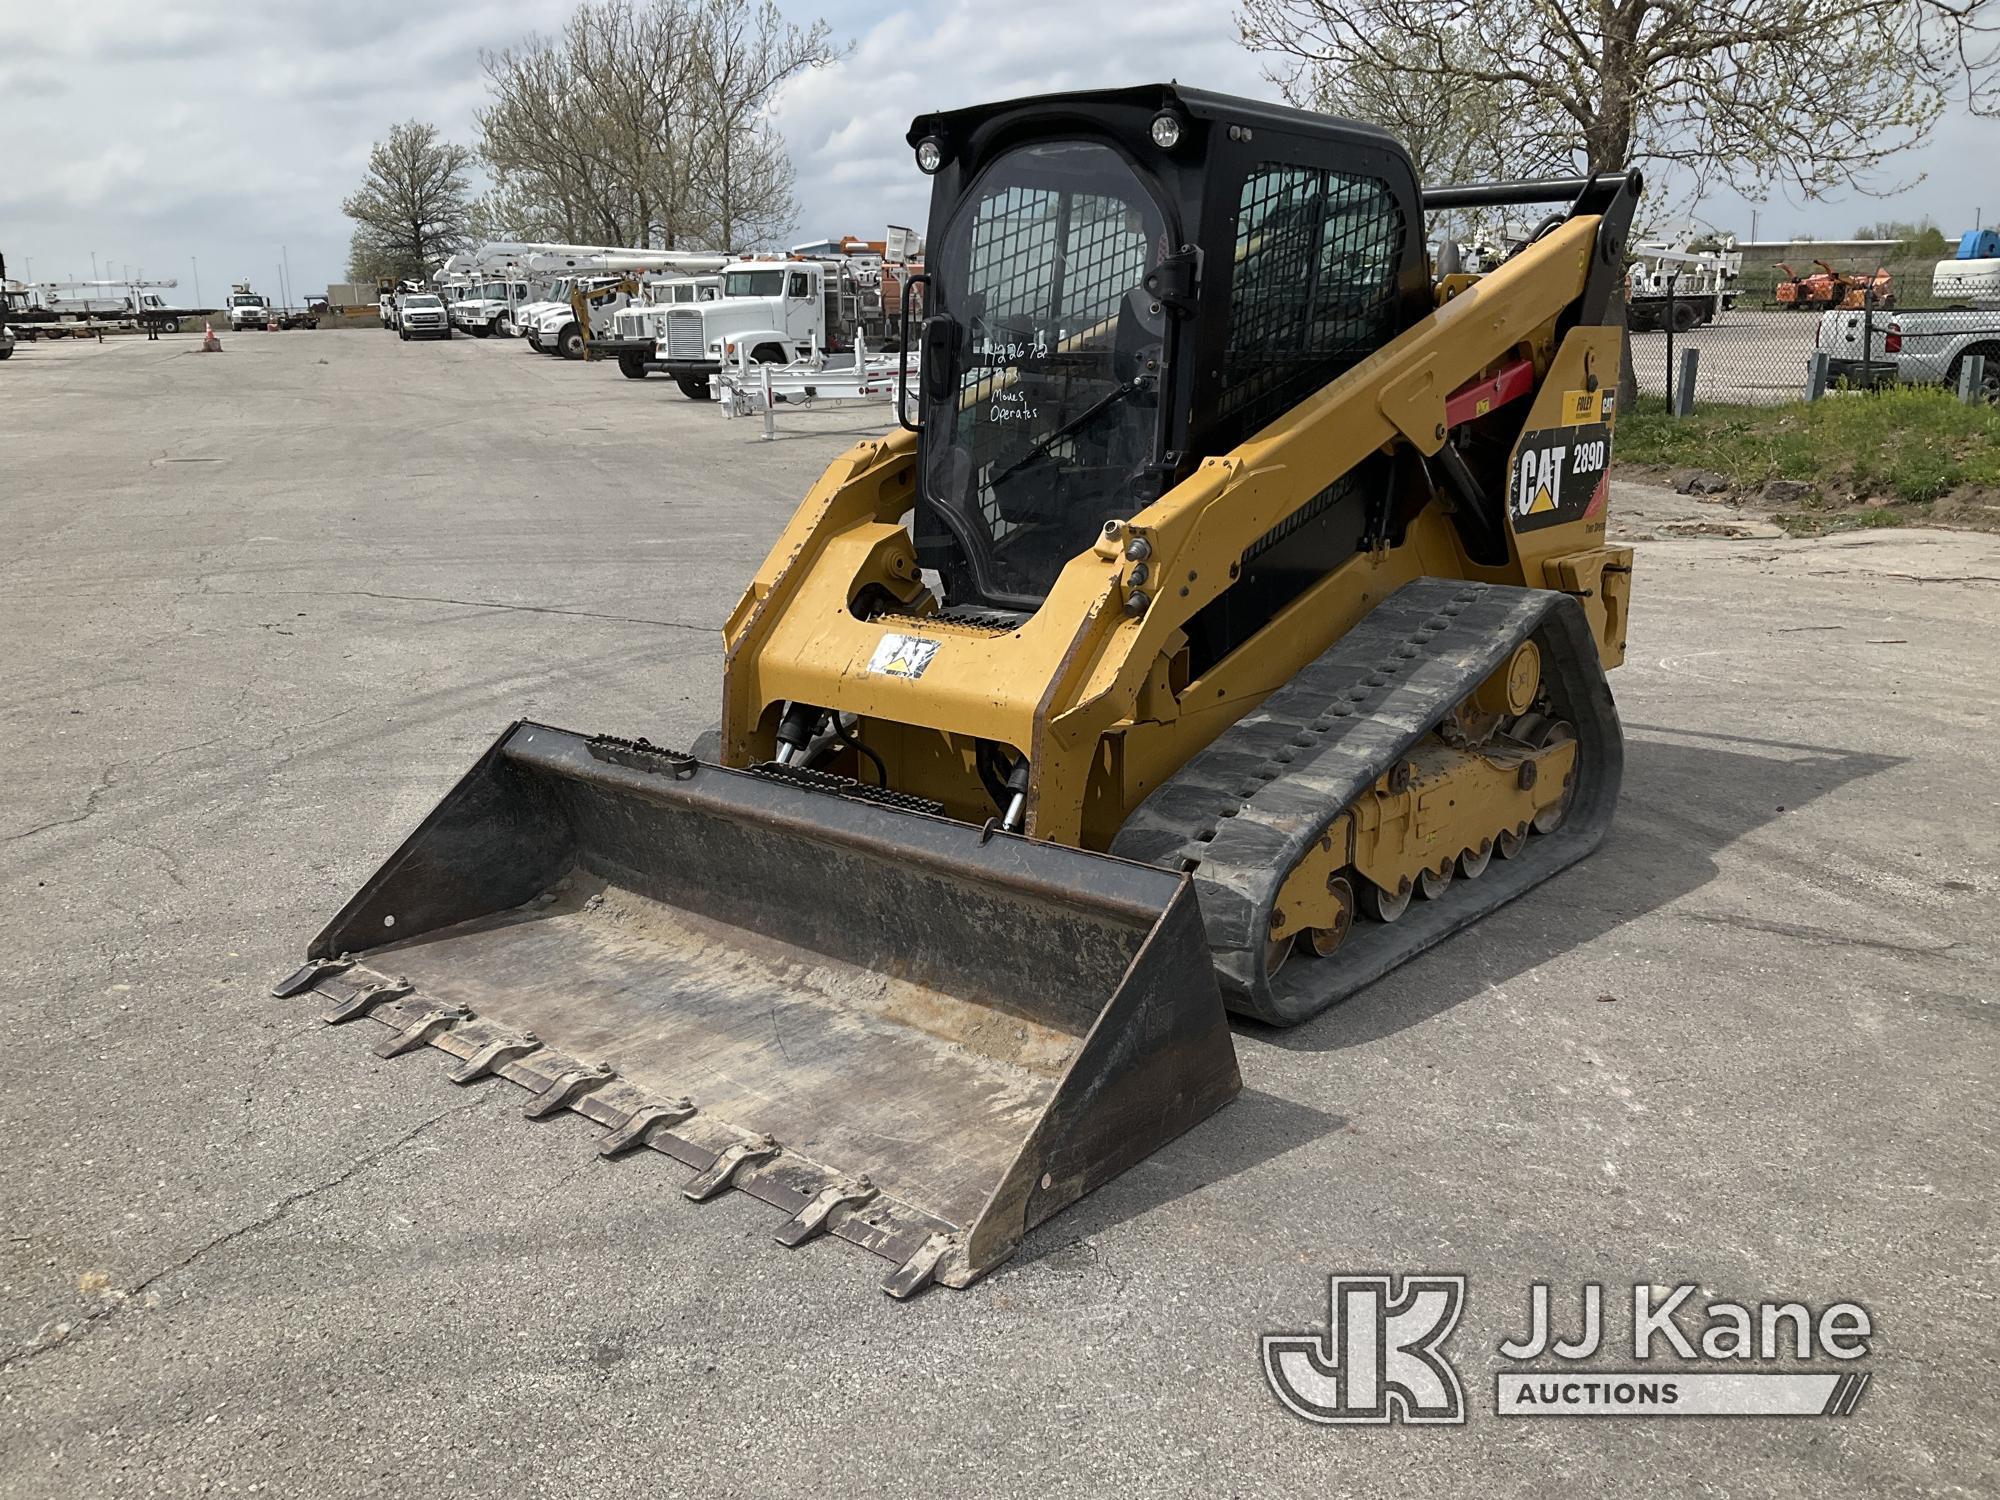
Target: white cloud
(150, 131)
(845, 124)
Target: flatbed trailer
(856, 377)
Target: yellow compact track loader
(1225, 622)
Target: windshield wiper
(1068, 429)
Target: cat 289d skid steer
(1225, 622)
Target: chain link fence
(1754, 344)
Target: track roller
(1381, 905)
(1432, 884)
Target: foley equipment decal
(1560, 474)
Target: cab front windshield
(1047, 426)
(753, 284)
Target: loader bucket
(894, 1029)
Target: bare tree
(641, 122)
(1809, 94)
(541, 137)
(747, 50)
(412, 208)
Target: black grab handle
(920, 278)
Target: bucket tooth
(811, 1221)
(302, 979)
(914, 1274)
(364, 1000)
(569, 1086)
(419, 1033)
(641, 1123)
(719, 1174)
(493, 1056)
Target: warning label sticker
(902, 655)
(1560, 474)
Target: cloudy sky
(158, 133)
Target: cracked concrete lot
(263, 607)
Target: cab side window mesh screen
(1313, 289)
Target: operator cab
(1124, 282)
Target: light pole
(197, 279)
(93, 265)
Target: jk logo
(1380, 1360)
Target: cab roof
(1196, 104)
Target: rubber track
(1241, 813)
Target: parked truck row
(686, 314)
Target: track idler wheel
(1324, 942)
(1550, 818)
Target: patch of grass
(1901, 446)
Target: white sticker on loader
(902, 655)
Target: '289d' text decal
(1560, 474)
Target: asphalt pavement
(262, 607)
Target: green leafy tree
(1923, 238)
(413, 207)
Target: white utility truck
(1670, 285)
(594, 303)
(555, 329)
(776, 312)
(488, 307)
(247, 309)
(637, 328)
(569, 264)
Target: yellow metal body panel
(1091, 692)
(1451, 802)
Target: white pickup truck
(1914, 346)
(774, 311)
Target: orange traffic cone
(210, 344)
(272, 325)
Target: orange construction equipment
(1879, 288)
(1828, 288)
